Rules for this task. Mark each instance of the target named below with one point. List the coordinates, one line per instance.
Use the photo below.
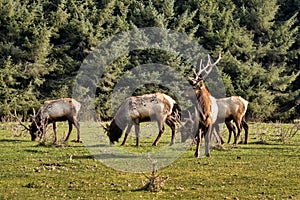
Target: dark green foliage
(43, 44)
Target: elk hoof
(208, 155)
(154, 144)
(172, 143)
(197, 155)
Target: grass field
(266, 168)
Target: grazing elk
(205, 104)
(136, 109)
(232, 108)
(188, 126)
(65, 109)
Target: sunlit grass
(267, 170)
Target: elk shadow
(13, 140)
(80, 157)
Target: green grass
(270, 170)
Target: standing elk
(229, 108)
(65, 109)
(205, 104)
(136, 109)
(232, 108)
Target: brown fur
(233, 108)
(137, 109)
(204, 104)
(61, 99)
(64, 109)
(204, 107)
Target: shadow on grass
(49, 144)
(87, 156)
(13, 140)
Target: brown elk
(232, 108)
(229, 108)
(65, 109)
(136, 109)
(204, 105)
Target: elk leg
(127, 133)
(236, 138)
(246, 127)
(137, 134)
(70, 129)
(172, 125)
(54, 130)
(161, 130)
(231, 129)
(218, 134)
(207, 140)
(77, 125)
(198, 138)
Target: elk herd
(208, 113)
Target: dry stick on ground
(287, 133)
(154, 184)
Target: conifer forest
(43, 44)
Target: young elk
(205, 104)
(232, 108)
(65, 109)
(136, 109)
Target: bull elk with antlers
(229, 109)
(65, 109)
(136, 109)
(205, 104)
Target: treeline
(43, 44)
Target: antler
(19, 120)
(104, 126)
(190, 116)
(177, 117)
(35, 122)
(207, 69)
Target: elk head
(33, 129)
(197, 81)
(199, 78)
(38, 125)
